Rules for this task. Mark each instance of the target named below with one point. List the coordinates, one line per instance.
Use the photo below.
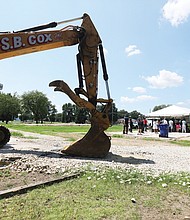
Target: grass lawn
(104, 194)
(47, 129)
(65, 130)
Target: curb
(24, 189)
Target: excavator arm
(19, 43)
(95, 143)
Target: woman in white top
(183, 127)
(155, 126)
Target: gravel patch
(42, 154)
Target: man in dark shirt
(126, 125)
(140, 125)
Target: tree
(24, 116)
(69, 111)
(9, 107)
(52, 112)
(58, 117)
(113, 114)
(122, 113)
(81, 115)
(135, 114)
(37, 103)
(158, 107)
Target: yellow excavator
(95, 143)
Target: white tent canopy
(170, 111)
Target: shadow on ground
(9, 149)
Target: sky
(146, 46)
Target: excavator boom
(15, 44)
(95, 143)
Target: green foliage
(69, 111)
(158, 107)
(16, 134)
(122, 113)
(72, 113)
(58, 117)
(113, 114)
(9, 107)
(37, 103)
(134, 114)
(81, 115)
(34, 105)
(52, 112)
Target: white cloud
(145, 97)
(125, 99)
(139, 89)
(140, 98)
(180, 103)
(164, 79)
(184, 103)
(132, 50)
(176, 11)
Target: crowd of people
(128, 125)
(174, 125)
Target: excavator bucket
(94, 144)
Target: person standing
(183, 126)
(126, 125)
(140, 126)
(131, 125)
(155, 126)
(178, 127)
(145, 122)
(171, 125)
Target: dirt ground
(10, 179)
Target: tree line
(35, 106)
